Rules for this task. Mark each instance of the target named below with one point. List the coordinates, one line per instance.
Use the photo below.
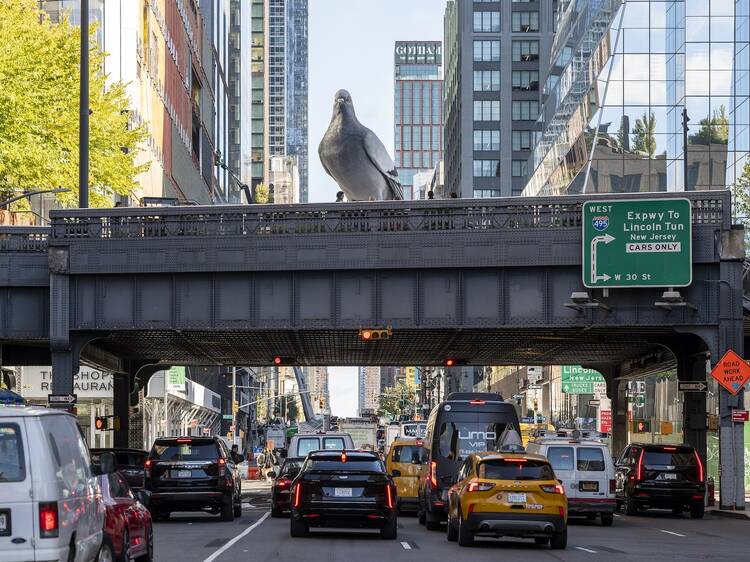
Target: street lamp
(26, 194)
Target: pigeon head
(342, 103)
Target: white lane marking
(671, 533)
(243, 534)
(617, 515)
(586, 550)
(406, 545)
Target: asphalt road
(257, 537)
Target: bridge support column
(64, 368)
(692, 367)
(122, 409)
(616, 393)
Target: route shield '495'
(637, 243)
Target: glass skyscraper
(624, 75)
(418, 109)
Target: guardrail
(449, 215)
(24, 238)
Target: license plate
(589, 486)
(342, 492)
(517, 498)
(669, 476)
(4, 522)
(182, 473)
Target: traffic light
(101, 423)
(375, 334)
(279, 361)
(235, 407)
(453, 362)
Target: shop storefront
(95, 392)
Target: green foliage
(741, 202)
(261, 193)
(644, 140)
(714, 130)
(396, 400)
(39, 73)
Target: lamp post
(30, 193)
(83, 111)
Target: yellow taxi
(406, 463)
(507, 494)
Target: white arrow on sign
(61, 398)
(607, 238)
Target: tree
(261, 194)
(714, 130)
(741, 201)
(644, 140)
(39, 73)
(396, 400)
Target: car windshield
(333, 444)
(291, 468)
(12, 467)
(590, 459)
(174, 450)
(459, 439)
(561, 458)
(414, 454)
(667, 458)
(509, 470)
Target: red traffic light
(366, 334)
(375, 334)
(100, 423)
(277, 360)
(450, 362)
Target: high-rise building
(418, 109)
(317, 383)
(279, 87)
(284, 177)
(173, 58)
(369, 390)
(622, 73)
(496, 55)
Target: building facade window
(486, 140)
(487, 80)
(519, 168)
(526, 80)
(525, 22)
(526, 110)
(524, 51)
(486, 193)
(524, 140)
(487, 22)
(486, 168)
(488, 51)
(486, 110)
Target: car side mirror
(107, 463)
(395, 473)
(560, 480)
(272, 474)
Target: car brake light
(389, 496)
(612, 487)
(515, 460)
(471, 508)
(639, 470)
(480, 486)
(48, 520)
(553, 488)
(147, 467)
(433, 474)
(343, 456)
(184, 440)
(222, 466)
(670, 448)
(700, 465)
(283, 483)
(477, 402)
(298, 495)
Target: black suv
(660, 476)
(193, 474)
(343, 489)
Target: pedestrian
(340, 197)
(454, 195)
(430, 195)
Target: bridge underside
(468, 346)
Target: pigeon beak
(340, 100)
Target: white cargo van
(50, 503)
(303, 443)
(586, 470)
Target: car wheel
(630, 506)
(541, 540)
(465, 536)
(105, 553)
(125, 550)
(618, 505)
(590, 516)
(227, 509)
(238, 509)
(677, 510)
(297, 528)
(697, 510)
(451, 532)
(149, 556)
(560, 539)
(432, 521)
(276, 513)
(72, 550)
(607, 519)
(421, 517)
(390, 530)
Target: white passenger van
(586, 470)
(50, 503)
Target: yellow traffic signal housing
(375, 334)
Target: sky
(351, 46)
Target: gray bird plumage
(356, 158)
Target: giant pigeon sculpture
(356, 158)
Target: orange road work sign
(732, 372)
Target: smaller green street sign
(176, 379)
(637, 243)
(574, 379)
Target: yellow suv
(507, 495)
(407, 463)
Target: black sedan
(344, 489)
(130, 463)
(282, 485)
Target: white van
(50, 503)
(303, 443)
(585, 468)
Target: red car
(128, 534)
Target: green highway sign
(637, 243)
(575, 379)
